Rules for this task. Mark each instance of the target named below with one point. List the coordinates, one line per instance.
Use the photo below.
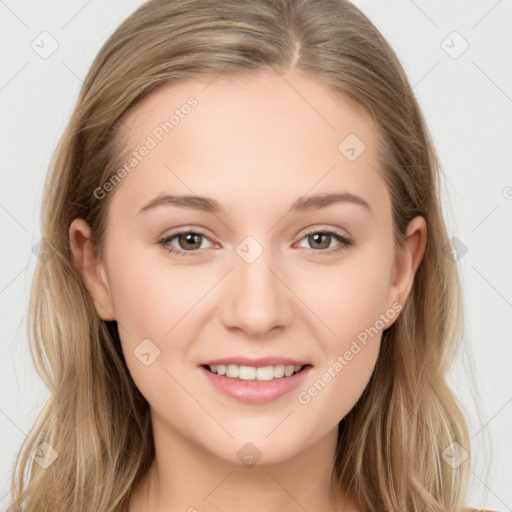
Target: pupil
(189, 239)
(319, 235)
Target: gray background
(466, 98)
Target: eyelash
(344, 242)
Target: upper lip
(259, 362)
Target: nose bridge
(256, 299)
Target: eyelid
(186, 229)
(324, 229)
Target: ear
(407, 261)
(88, 263)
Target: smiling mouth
(253, 373)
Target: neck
(186, 477)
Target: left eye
(319, 238)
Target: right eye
(184, 238)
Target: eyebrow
(210, 205)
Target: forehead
(247, 140)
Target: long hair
(391, 446)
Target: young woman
(247, 301)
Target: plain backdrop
(458, 59)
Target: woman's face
(261, 281)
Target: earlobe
(86, 261)
(408, 259)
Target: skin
(255, 146)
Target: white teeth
(288, 370)
(232, 370)
(278, 371)
(265, 373)
(247, 373)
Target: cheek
(148, 300)
(350, 301)
(349, 353)
(350, 296)
(157, 300)
(151, 294)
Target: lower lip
(255, 392)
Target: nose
(255, 297)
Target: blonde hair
(390, 445)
